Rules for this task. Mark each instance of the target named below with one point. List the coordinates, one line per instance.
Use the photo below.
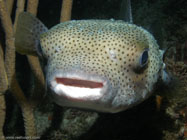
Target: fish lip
(78, 83)
(67, 92)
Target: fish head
(101, 65)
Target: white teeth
(88, 88)
(78, 92)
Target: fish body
(101, 65)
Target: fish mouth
(78, 86)
(78, 82)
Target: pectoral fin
(28, 33)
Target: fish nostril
(78, 82)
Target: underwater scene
(93, 69)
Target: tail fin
(28, 33)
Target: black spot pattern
(107, 48)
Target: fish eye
(142, 64)
(143, 58)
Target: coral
(8, 79)
(66, 10)
(10, 5)
(2, 114)
(39, 88)
(3, 88)
(179, 70)
(27, 109)
(76, 122)
(10, 48)
(176, 98)
(20, 8)
(10, 67)
(32, 6)
(3, 76)
(6, 71)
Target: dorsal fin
(28, 33)
(125, 11)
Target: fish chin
(81, 90)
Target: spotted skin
(111, 49)
(105, 52)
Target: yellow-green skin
(107, 49)
(101, 51)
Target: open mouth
(79, 83)
(74, 88)
(79, 87)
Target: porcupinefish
(101, 65)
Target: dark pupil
(144, 58)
